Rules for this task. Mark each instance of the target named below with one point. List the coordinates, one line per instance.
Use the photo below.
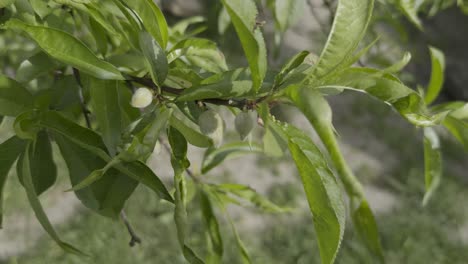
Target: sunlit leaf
(437, 75)
(155, 58)
(350, 24)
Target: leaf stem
(134, 238)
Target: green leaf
(106, 196)
(33, 67)
(322, 190)
(437, 75)
(146, 134)
(226, 85)
(288, 12)
(152, 18)
(390, 90)
(9, 152)
(89, 140)
(43, 168)
(366, 228)
(5, 3)
(26, 171)
(155, 58)
(201, 53)
(410, 9)
(212, 227)
(399, 65)
(189, 129)
(139, 171)
(243, 15)
(350, 24)
(292, 64)
(41, 8)
(179, 164)
(66, 48)
(432, 163)
(14, 98)
(458, 128)
(104, 95)
(318, 112)
(215, 156)
(250, 195)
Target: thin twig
(134, 239)
(84, 109)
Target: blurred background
(385, 152)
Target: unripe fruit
(211, 124)
(142, 98)
(244, 123)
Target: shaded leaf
(458, 128)
(288, 12)
(66, 48)
(107, 195)
(5, 3)
(104, 95)
(212, 227)
(190, 130)
(33, 67)
(43, 168)
(36, 205)
(179, 164)
(410, 9)
(9, 152)
(14, 98)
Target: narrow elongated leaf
(105, 196)
(226, 85)
(318, 112)
(215, 156)
(104, 96)
(201, 53)
(66, 48)
(179, 164)
(366, 227)
(243, 15)
(14, 98)
(155, 58)
(36, 204)
(9, 152)
(350, 24)
(399, 65)
(152, 18)
(458, 128)
(190, 130)
(293, 63)
(89, 140)
(43, 168)
(410, 9)
(251, 196)
(432, 163)
(437, 75)
(322, 190)
(212, 226)
(390, 90)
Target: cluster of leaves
(78, 87)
